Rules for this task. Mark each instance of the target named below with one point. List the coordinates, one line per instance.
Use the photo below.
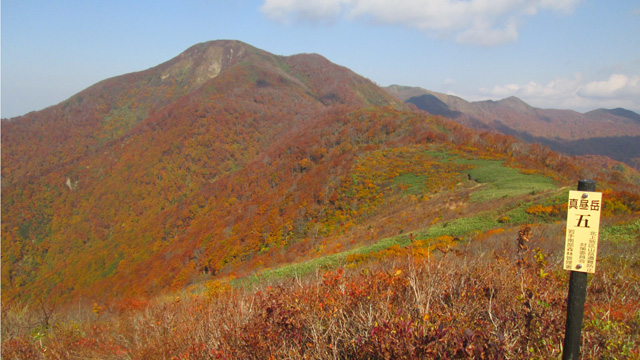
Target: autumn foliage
(180, 177)
(491, 301)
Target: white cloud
(617, 85)
(484, 34)
(449, 82)
(321, 10)
(619, 90)
(483, 22)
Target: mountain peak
(617, 112)
(514, 103)
(206, 60)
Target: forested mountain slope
(226, 160)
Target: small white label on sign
(583, 228)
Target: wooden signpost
(581, 245)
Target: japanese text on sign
(583, 227)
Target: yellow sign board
(583, 228)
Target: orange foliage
(539, 210)
(162, 184)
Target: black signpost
(577, 296)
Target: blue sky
(563, 54)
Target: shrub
(399, 304)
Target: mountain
(596, 132)
(227, 160)
(108, 110)
(614, 115)
(112, 177)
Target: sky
(561, 54)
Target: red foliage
(156, 180)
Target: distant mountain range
(614, 133)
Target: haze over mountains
(226, 160)
(610, 132)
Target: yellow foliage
(444, 239)
(539, 210)
(305, 164)
(423, 252)
(216, 288)
(97, 309)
